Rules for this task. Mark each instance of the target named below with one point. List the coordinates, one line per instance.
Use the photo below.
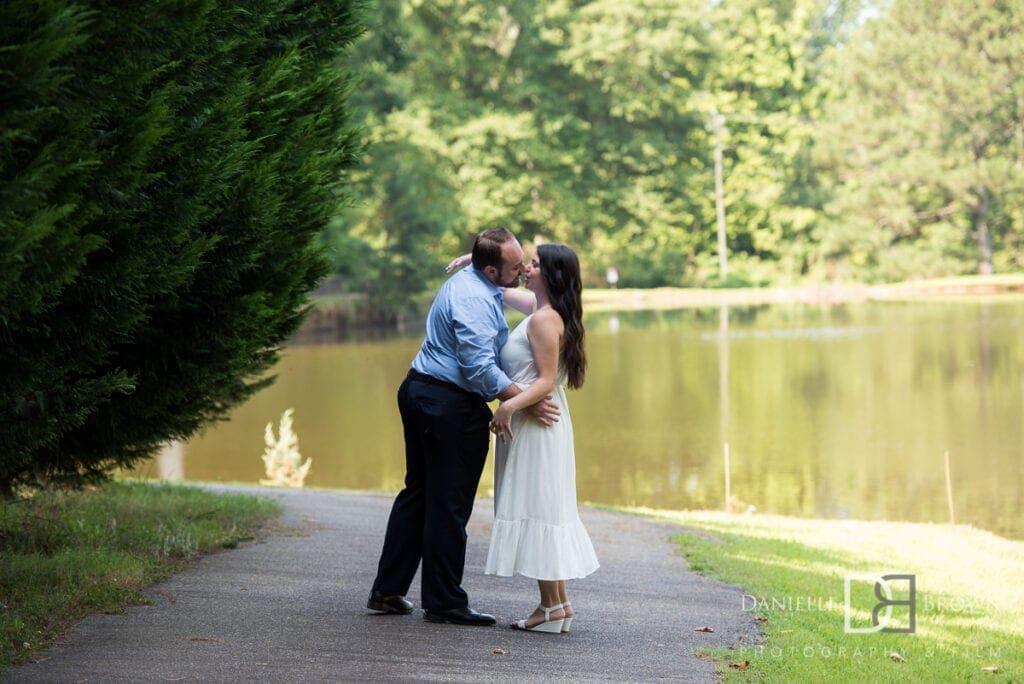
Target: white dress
(537, 528)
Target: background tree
(926, 143)
(165, 172)
(647, 178)
(767, 82)
(558, 119)
(588, 122)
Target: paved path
(291, 608)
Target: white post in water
(728, 482)
(949, 492)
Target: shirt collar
(494, 289)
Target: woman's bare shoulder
(546, 319)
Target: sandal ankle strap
(548, 610)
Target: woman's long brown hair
(560, 268)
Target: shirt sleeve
(475, 348)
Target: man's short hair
(487, 247)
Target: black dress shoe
(460, 616)
(388, 604)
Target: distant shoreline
(603, 300)
(343, 316)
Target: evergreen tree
(165, 171)
(926, 145)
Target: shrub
(165, 170)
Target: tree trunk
(717, 120)
(981, 231)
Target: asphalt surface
(291, 607)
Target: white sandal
(549, 626)
(568, 620)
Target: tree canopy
(859, 142)
(925, 145)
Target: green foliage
(485, 115)
(767, 87)
(165, 172)
(585, 123)
(847, 141)
(926, 145)
(66, 554)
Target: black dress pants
(446, 443)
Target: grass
(64, 555)
(968, 599)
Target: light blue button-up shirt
(466, 330)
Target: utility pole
(717, 124)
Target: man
(445, 418)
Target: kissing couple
(467, 359)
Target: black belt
(431, 380)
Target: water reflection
(170, 462)
(723, 401)
(833, 411)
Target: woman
(537, 530)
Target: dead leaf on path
(742, 665)
(897, 657)
(761, 618)
(990, 668)
(705, 628)
(500, 651)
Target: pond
(834, 411)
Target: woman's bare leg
(549, 596)
(563, 598)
